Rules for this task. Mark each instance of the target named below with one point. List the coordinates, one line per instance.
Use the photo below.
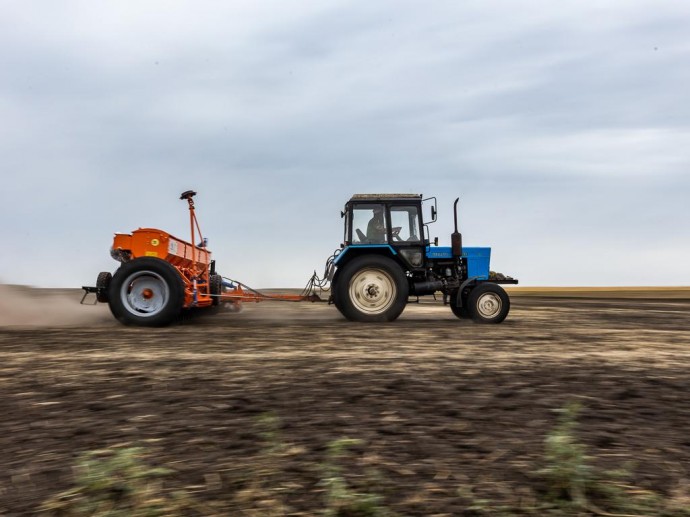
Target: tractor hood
(477, 259)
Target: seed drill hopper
(161, 276)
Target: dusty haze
(23, 306)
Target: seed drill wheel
(147, 292)
(215, 286)
(488, 303)
(371, 288)
(102, 284)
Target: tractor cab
(376, 219)
(387, 221)
(392, 221)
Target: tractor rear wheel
(371, 288)
(334, 298)
(146, 291)
(488, 303)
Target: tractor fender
(467, 283)
(349, 252)
(352, 252)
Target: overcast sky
(563, 126)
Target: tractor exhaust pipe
(456, 236)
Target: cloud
(547, 119)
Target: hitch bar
(89, 290)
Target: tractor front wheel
(370, 289)
(460, 311)
(488, 303)
(147, 292)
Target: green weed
(340, 499)
(575, 487)
(117, 482)
(566, 473)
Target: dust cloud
(23, 306)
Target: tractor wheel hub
(372, 291)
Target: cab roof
(386, 197)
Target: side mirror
(342, 214)
(435, 241)
(433, 209)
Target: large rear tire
(146, 291)
(488, 303)
(334, 292)
(370, 289)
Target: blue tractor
(387, 259)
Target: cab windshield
(405, 224)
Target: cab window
(405, 224)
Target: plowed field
(446, 410)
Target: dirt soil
(446, 410)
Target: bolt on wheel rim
(372, 291)
(144, 293)
(489, 305)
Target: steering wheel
(395, 232)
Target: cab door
(406, 233)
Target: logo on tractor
(155, 242)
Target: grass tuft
(117, 482)
(341, 500)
